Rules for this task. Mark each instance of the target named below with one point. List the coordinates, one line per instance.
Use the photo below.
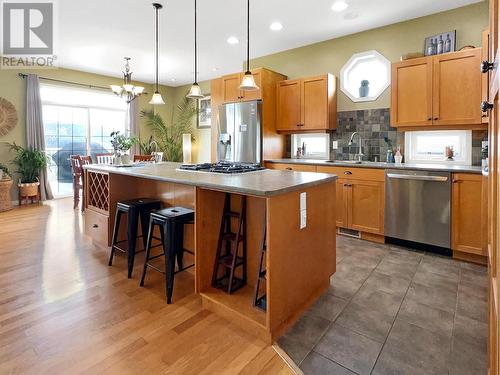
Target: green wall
(391, 41)
(201, 147)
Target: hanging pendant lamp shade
(195, 91)
(248, 80)
(157, 99)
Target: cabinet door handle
(456, 181)
(429, 119)
(289, 169)
(347, 172)
(95, 226)
(485, 106)
(487, 66)
(436, 118)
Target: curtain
(133, 124)
(35, 137)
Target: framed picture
(440, 43)
(204, 112)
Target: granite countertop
(260, 183)
(380, 165)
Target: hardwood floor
(64, 311)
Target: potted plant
(169, 135)
(122, 145)
(29, 163)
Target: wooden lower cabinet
(360, 198)
(365, 207)
(97, 226)
(291, 167)
(468, 213)
(341, 203)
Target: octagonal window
(365, 76)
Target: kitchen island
(300, 254)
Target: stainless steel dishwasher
(417, 206)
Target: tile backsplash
(378, 136)
(374, 127)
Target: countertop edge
(381, 165)
(212, 186)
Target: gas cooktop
(222, 167)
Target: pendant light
(157, 99)
(195, 91)
(248, 81)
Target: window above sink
(317, 145)
(429, 146)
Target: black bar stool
(171, 222)
(134, 209)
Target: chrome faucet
(359, 155)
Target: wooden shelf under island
(299, 262)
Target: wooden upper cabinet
(231, 87)
(411, 101)
(288, 115)
(441, 90)
(485, 78)
(314, 102)
(468, 214)
(457, 88)
(307, 104)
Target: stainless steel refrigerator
(240, 132)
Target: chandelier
(127, 90)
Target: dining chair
(139, 158)
(105, 158)
(77, 177)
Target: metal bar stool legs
(171, 223)
(135, 209)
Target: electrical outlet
(303, 219)
(303, 201)
(335, 145)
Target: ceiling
(95, 35)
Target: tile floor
(391, 310)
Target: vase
(117, 159)
(364, 89)
(125, 159)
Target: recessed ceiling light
(233, 40)
(173, 79)
(214, 69)
(276, 26)
(339, 6)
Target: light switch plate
(303, 201)
(303, 219)
(335, 145)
